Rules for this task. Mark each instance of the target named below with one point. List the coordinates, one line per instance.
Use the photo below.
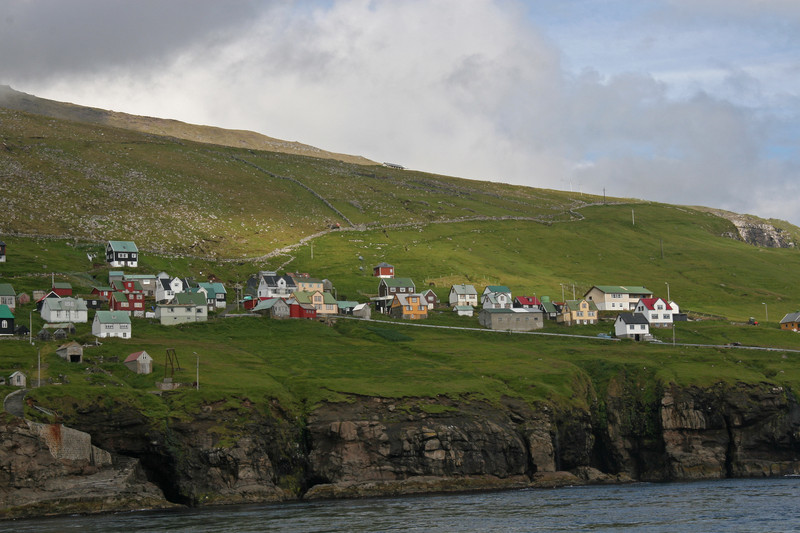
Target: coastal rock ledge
(239, 451)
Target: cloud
(485, 89)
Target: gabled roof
(215, 287)
(464, 289)
(60, 304)
(112, 317)
(528, 300)
(346, 304)
(576, 304)
(123, 246)
(5, 312)
(134, 356)
(119, 285)
(620, 289)
(62, 285)
(402, 299)
(101, 288)
(497, 288)
(791, 317)
(509, 310)
(549, 307)
(189, 298)
(398, 282)
(463, 308)
(650, 303)
(383, 265)
(632, 318)
(7, 290)
(272, 281)
(265, 305)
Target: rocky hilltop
(379, 446)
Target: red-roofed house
(527, 302)
(657, 311)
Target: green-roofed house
(185, 307)
(122, 254)
(8, 296)
(388, 287)
(575, 312)
(323, 302)
(111, 324)
(6, 321)
(497, 297)
(216, 294)
(616, 297)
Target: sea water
(741, 505)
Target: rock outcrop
(238, 452)
(52, 469)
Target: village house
(122, 254)
(464, 310)
(6, 320)
(496, 297)
(72, 352)
(527, 302)
(580, 312)
(62, 288)
(185, 307)
(616, 297)
(215, 293)
(346, 306)
(510, 319)
(164, 291)
(8, 296)
(309, 284)
(383, 270)
(431, 299)
(388, 287)
(550, 309)
(632, 326)
(23, 298)
(18, 379)
(463, 295)
(115, 275)
(274, 286)
(657, 311)
(102, 291)
(323, 302)
(791, 321)
(131, 303)
(139, 362)
(112, 324)
(147, 283)
(274, 308)
(409, 306)
(65, 310)
(300, 310)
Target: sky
(693, 102)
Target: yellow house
(409, 306)
(309, 284)
(323, 302)
(577, 312)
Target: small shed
(362, 311)
(140, 362)
(18, 379)
(464, 310)
(24, 298)
(71, 351)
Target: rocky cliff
(237, 451)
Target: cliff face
(374, 446)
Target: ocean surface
(762, 505)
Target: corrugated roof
(5, 312)
(464, 289)
(7, 290)
(123, 246)
(398, 282)
(620, 289)
(112, 317)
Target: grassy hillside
(197, 209)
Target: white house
(631, 326)
(270, 286)
(185, 307)
(111, 324)
(65, 310)
(657, 311)
(164, 290)
(140, 362)
(496, 297)
(616, 297)
(463, 295)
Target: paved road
(13, 403)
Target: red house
(102, 292)
(127, 286)
(383, 270)
(527, 302)
(132, 303)
(62, 289)
(298, 310)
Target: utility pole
(197, 379)
(39, 379)
(667, 284)
(633, 218)
(662, 249)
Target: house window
(402, 289)
(4, 324)
(421, 307)
(408, 308)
